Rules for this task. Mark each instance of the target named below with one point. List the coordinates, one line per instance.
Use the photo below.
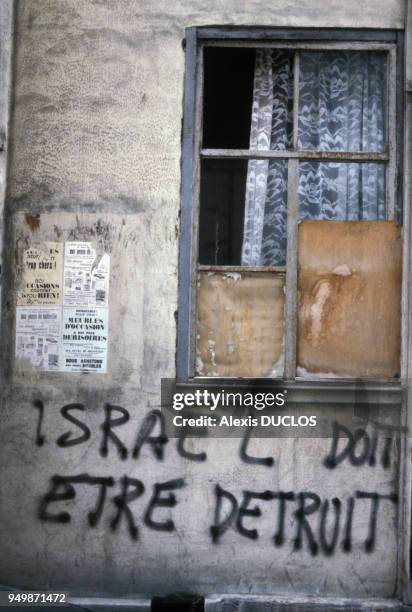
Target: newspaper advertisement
(84, 339)
(42, 275)
(38, 336)
(86, 276)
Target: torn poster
(86, 276)
(41, 282)
(38, 336)
(84, 339)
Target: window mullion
(291, 269)
(391, 138)
(295, 99)
(292, 238)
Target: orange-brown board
(240, 328)
(349, 288)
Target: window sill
(326, 391)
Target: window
(293, 267)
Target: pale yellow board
(349, 286)
(240, 328)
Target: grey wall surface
(95, 155)
(6, 28)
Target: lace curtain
(341, 108)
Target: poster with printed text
(42, 275)
(86, 276)
(84, 339)
(38, 336)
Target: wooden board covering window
(240, 326)
(349, 286)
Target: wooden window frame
(196, 40)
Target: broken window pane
(339, 191)
(227, 97)
(342, 101)
(243, 212)
(222, 205)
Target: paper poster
(86, 276)
(38, 336)
(84, 339)
(42, 275)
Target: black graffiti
(122, 504)
(359, 448)
(303, 527)
(220, 524)
(117, 416)
(40, 438)
(329, 547)
(317, 523)
(64, 489)
(157, 443)
(182, 450)
(245, 511)
(157, 501)
(108, 434)
(67, 439)
(283, 497)
(246, 458)
(375, 503)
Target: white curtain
(341, 108)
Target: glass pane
(272, 109)
(341, 191)
(264, 236)
(342, 101)
(243, 212)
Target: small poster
(86, 276)
(42, 274)
(38, 336)
(84, 339)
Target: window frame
(197, 39)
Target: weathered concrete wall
(95, 154)
(6, 28)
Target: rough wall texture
(6, 27)
(95, 152)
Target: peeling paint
(233, 275)
(342, 270)
(278, 368)
(322, 292)
(199, 364)
(212, 350)
(303, 373)
(231, 346)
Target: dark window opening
(227, 97)
(222, 208)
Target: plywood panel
(349, 282)
(240, 324)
